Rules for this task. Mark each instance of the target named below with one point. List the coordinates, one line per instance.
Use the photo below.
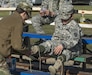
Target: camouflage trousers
(49, 47)
(3, 67)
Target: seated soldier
(66, 41)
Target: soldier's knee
(62, 58)
(35, 19)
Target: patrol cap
(26, 7)
(66, 10)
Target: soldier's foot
(52, 70)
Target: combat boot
(53, 69)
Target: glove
(40, 41)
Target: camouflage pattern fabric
(3, 67)
(14, 3)
(38, 20)
(26, 7)
(68, 35)
(27, 1)
(66, 10)
(5, 3)
(52, 5)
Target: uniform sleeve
(16, 37)
(44, 5)
(30, 2)
(56, 10)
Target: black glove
(40, 41)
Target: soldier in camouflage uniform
(5, 3)
(11, 29)
(48, 12)
(27, 1)
(66, 41)
(0, 3)
(14, 3)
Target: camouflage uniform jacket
(68, 35)
(51, 5)
(11, 29)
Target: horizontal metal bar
(86, 40)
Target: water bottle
(82, 19)
(11, 63)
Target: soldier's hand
(58, 50)
(47, 13)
